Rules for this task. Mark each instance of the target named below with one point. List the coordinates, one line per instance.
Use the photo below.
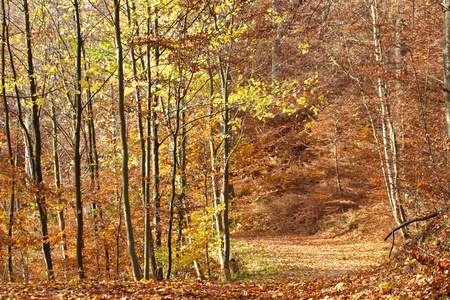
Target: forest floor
(276, 267)
(321, 253)
(291, 236)
(273, 265)
(301, 258)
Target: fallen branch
(412, 221)
(406, 224)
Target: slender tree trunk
(181, 207)
(224, 192)
(77, 141)
(171, 206)
(28, 148)
(149, 254)
(213, 160)
(142, 140)
(11, 187)
(225, 130)
(152, 156)
(149, 251)
(276, 41)
(95, 175)
(173, 180)
(119, 204)
(35, 153)
(56, 169)
(155, 161)
(92, 174)
(388, 130)
(336, 159)
(208, 265)
(216, 192)
(158, 274)
(446, 54)
(123, 138)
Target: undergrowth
(252, 264)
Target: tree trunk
(173, 187)
(389, 141)
(224, 192)
(11, 187)
(123, 139)
(36, 151)
(336, 159)
(77, 141)
(181, 207)
(276, 42)
(180, 94)
(94, 170)
(153, 122)
(56, 169)
(142, 140)
(149, 253)
(20, 117)
(446, 54)
(213, 158)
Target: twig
(393, 243)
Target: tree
(35, 149)
(77, 139)
(389, 138)
(123, 138)
(11, 188)
(446, 55)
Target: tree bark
(446, 55)
(77, 140)
(224, 192)
(36, 151)
(123, 139)
(153, 122)
(173, 186)
(389, 141)
(94, 169)
(11, 187)
(181, 207)
(276, 42)
(336, 159)
(56, 169)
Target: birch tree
(389, 139)
(446, 55)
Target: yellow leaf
(340, 286)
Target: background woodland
(138, 135)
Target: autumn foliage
(137, 138)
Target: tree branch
(412, 221)
(406, 224)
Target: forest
(146, 144)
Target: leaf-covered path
(296, 260)
(297, 265)
(301, 258)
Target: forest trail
(301, 258)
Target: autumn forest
(139, 139)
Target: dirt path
(299, 258)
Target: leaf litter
(301, 258)
(297, 259)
